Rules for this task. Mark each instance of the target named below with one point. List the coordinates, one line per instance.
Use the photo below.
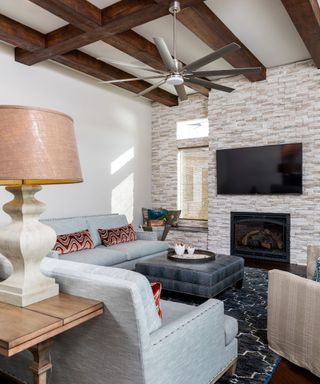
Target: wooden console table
(32, 328)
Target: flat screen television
(271, 169)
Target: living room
(194, 121)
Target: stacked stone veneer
(196, 239)
(283, 109)
(164, 159)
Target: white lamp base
(25, 242)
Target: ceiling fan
(178, 75)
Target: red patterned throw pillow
(115, 236)
(156, 290)
(73, 242)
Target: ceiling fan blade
(130, 79)
(222, 72)
(211, 57)
(149, 89)
(165, 54)
(133, 66)
(208, 84)
(181, 91)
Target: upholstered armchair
(293, 315)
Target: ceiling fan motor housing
(175, 79)
(175, 7)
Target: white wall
(108, 123)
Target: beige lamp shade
(37, 146)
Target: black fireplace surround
(264, 236)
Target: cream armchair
(293, 316)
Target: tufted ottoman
(203, 279)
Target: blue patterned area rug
(249, 306)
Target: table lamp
(37, 146)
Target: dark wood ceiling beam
(143, 50)
(305, 15)
(87, 64)
(20, 35)
(80, 13)
(211, 30)
(56, 36)
(119, 17)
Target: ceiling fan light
(175, 79)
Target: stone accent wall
(165, 145)
(283, 109)
(164, 159)
(197, 239)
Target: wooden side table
(32, 328)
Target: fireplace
(260, 235)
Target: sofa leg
(239, 284)
(229, 370)
(232, 369)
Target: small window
(193, 183)
(192, 129)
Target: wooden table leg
(41, 362)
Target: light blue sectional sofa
(129, 343)
(124, 255)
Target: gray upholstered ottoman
(205, 280)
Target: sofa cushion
(140, 248)
(100, 255)
(67, 225)
(104, 221)
(172, 311)
(115, 236)
(230, 329)
(73, 242)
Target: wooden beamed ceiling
(212, 31)
(22, 36)
(119, 17)
(88, 24)
(305, 15)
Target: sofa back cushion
(106, 222)
(67, 225)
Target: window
(192, 129)
(193, 183)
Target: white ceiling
(31, 15)
(262, 25)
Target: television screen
(271, 169)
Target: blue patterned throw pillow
(157, 215)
